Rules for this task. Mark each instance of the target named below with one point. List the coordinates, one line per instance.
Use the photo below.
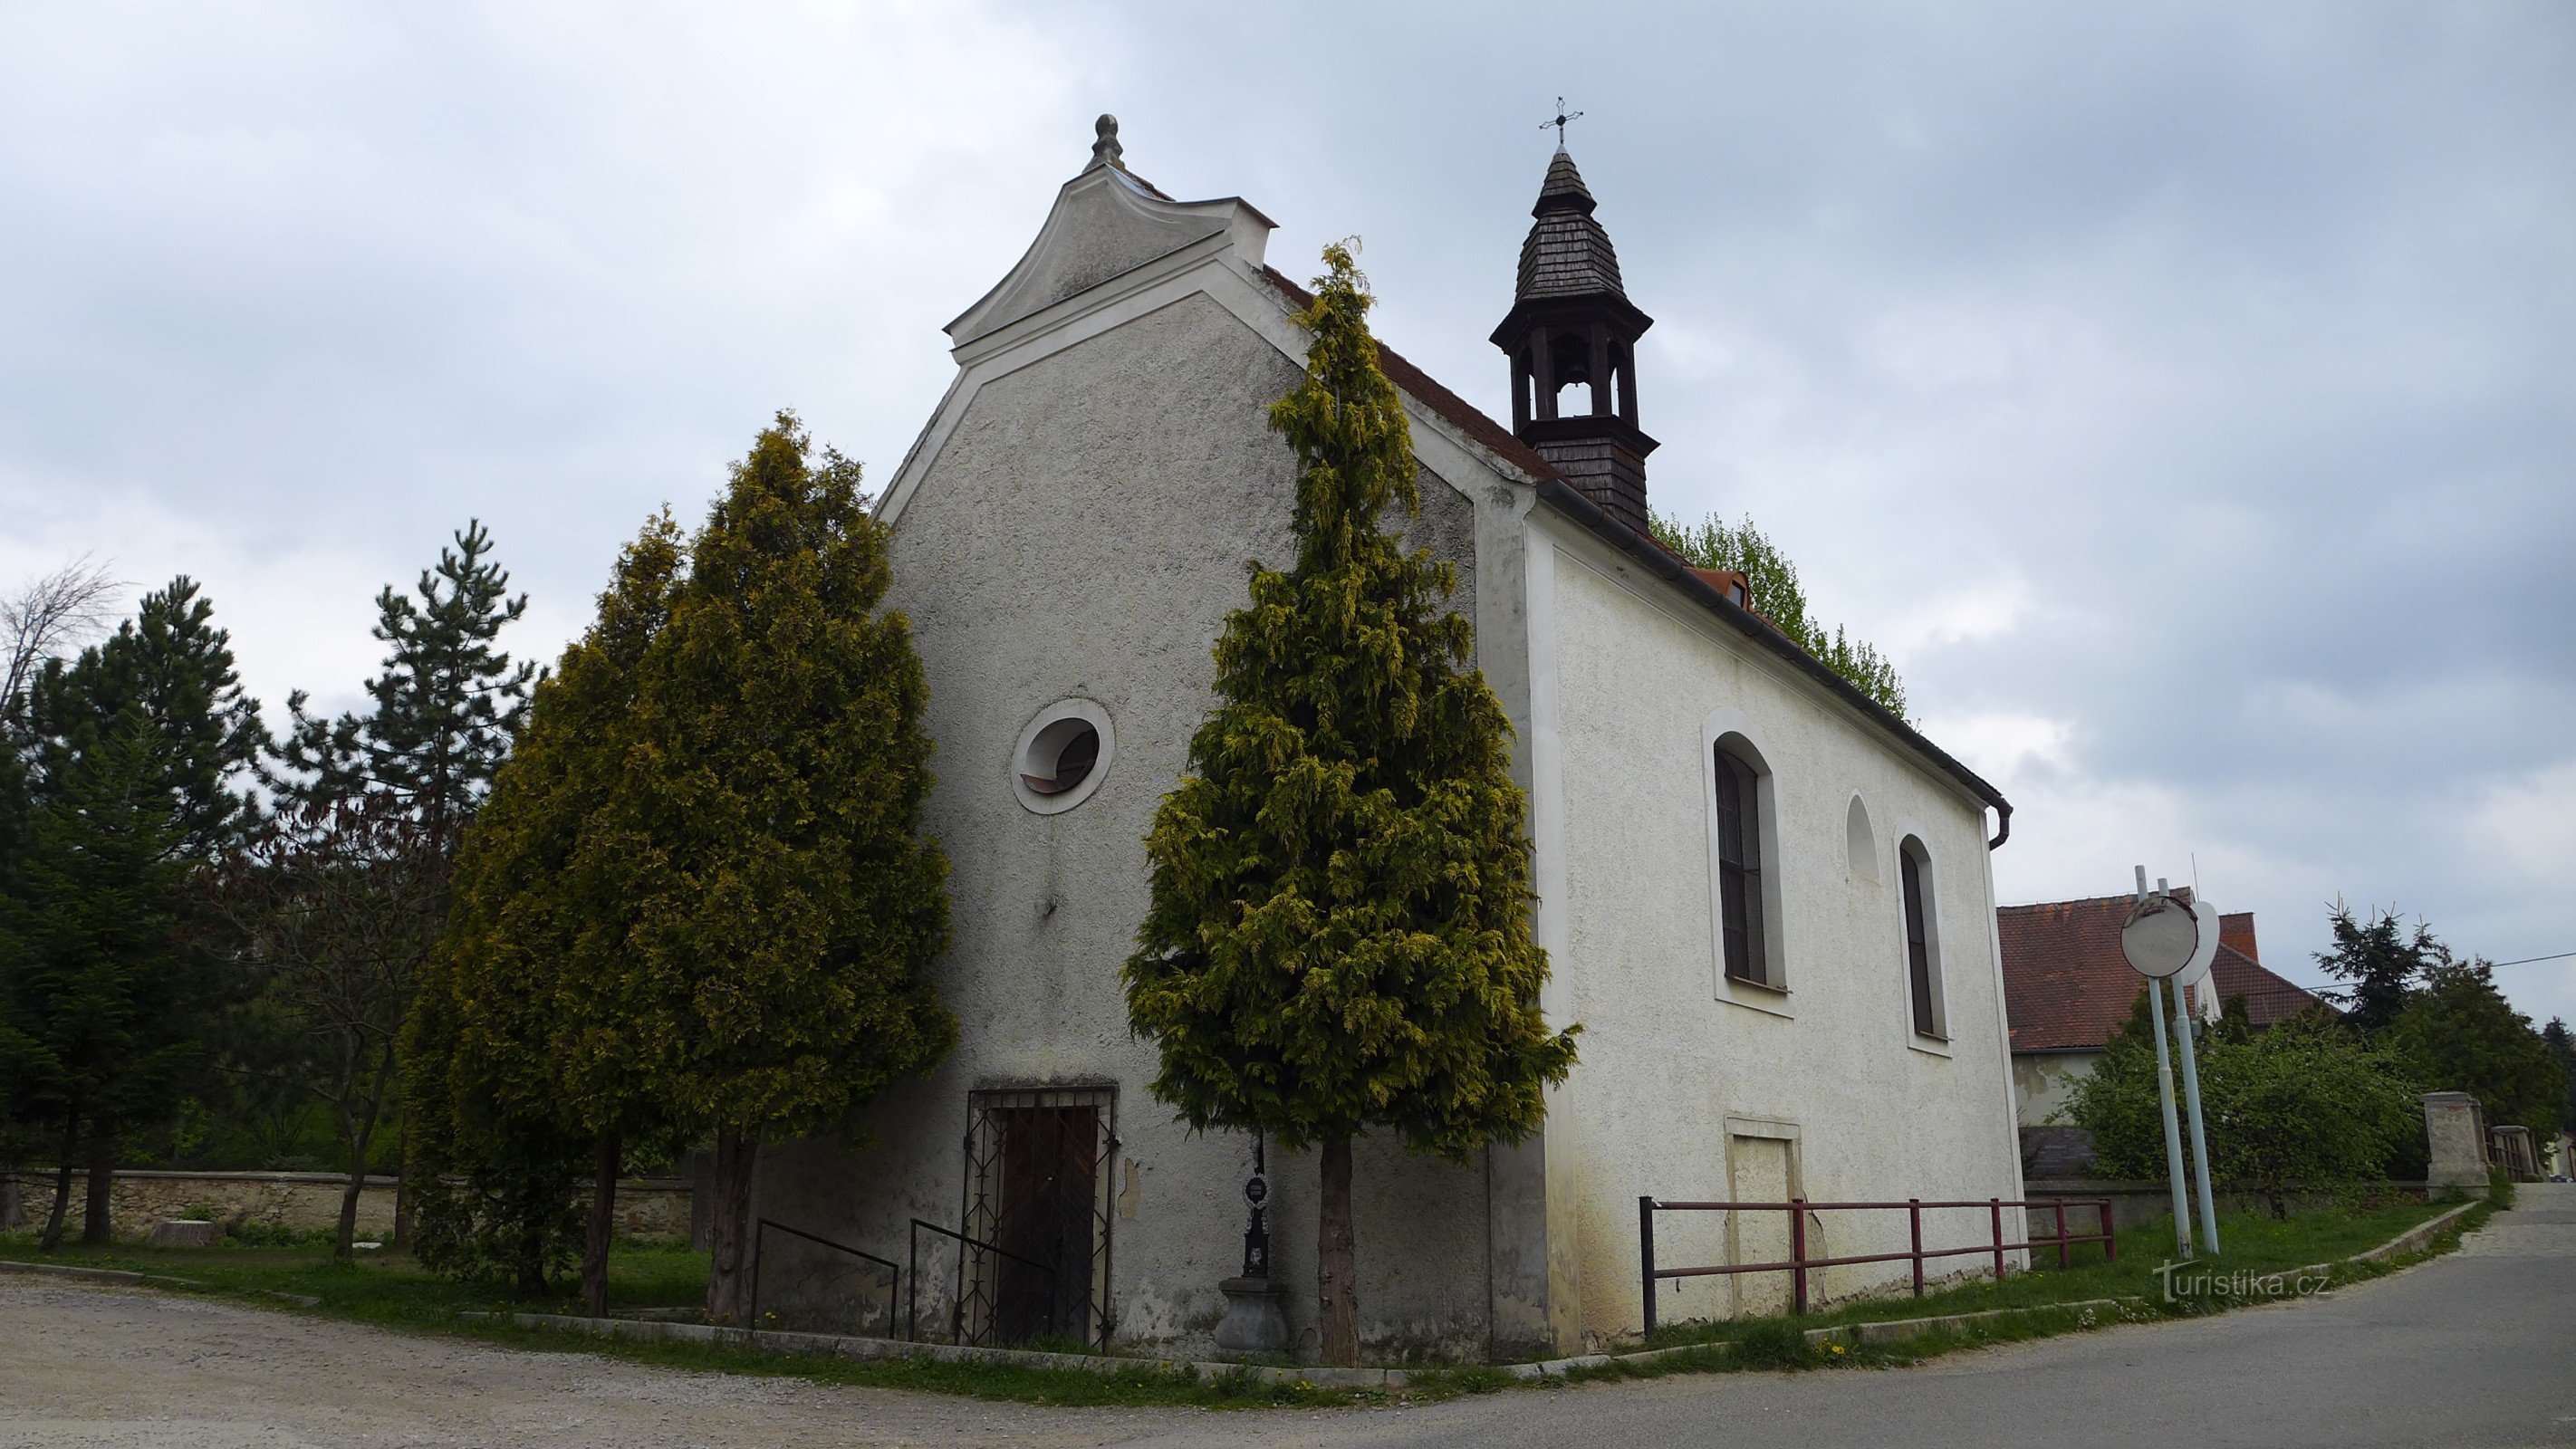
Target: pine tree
(444, 709)
(781, 909)
(537, 957)
(448, 699)
(1771, 584)
(1339, 934)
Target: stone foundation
(650, 1208)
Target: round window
(1062, 756)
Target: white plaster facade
(1073, 526)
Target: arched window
(1922, 945)
(1739, 868)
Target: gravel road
(2471, 1349)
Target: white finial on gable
(1105, 151)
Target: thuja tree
(776, 905)
(1772, 587)
(1339, 935)
(537, 968)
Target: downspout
(2003, 826)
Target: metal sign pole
(2173, 1129)
(2199, 1139)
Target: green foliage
(2457, 1033)
(2382, 960)
(760, 865)
(97, 997)
(445, 705)
(335, 902)
(2562, 1044)
(508, 1019)
(2305, 1102)
(122, 771)
(1339, 933)
(1771, 580)
(170, 667)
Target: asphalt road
(2478, 1348)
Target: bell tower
(1572, 325)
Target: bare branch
(50, 616)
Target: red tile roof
(1459, 413)
(2068, 988)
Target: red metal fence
(1799, 1264)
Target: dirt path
(106, 1366)
(2469, 1350)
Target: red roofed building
(2067, 988)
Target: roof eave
(1557, 493)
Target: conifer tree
(447, 701)
(781, 908)
(1339, 935)
(96, 994)
(158, 697)
(536, 962)
(174, 668)
(2383, 962)
(443, 711)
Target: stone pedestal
(1255, 1320)
(182, 1233)
(2455, 1131)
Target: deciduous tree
(335, 903)
(1772, 587)
(1339, 935)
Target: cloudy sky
(2184, 395)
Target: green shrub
(2305, 1103)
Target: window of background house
(1739, 868)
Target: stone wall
(650, 1208)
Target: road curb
(854, 1346)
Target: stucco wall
(1684, 1092)
(2042, 1081)
(1082, 532)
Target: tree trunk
(98, 1222)
(1337, 1260)
(727, 1288)
(53, 1237)
(345, 1245)
(603, 1220)
(402, 1184)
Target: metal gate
(1037, 1192)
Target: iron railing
(1800, 1265)
(759, 1234)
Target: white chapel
(1766, 898)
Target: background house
(2067, 989)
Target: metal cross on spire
(1559, 121)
